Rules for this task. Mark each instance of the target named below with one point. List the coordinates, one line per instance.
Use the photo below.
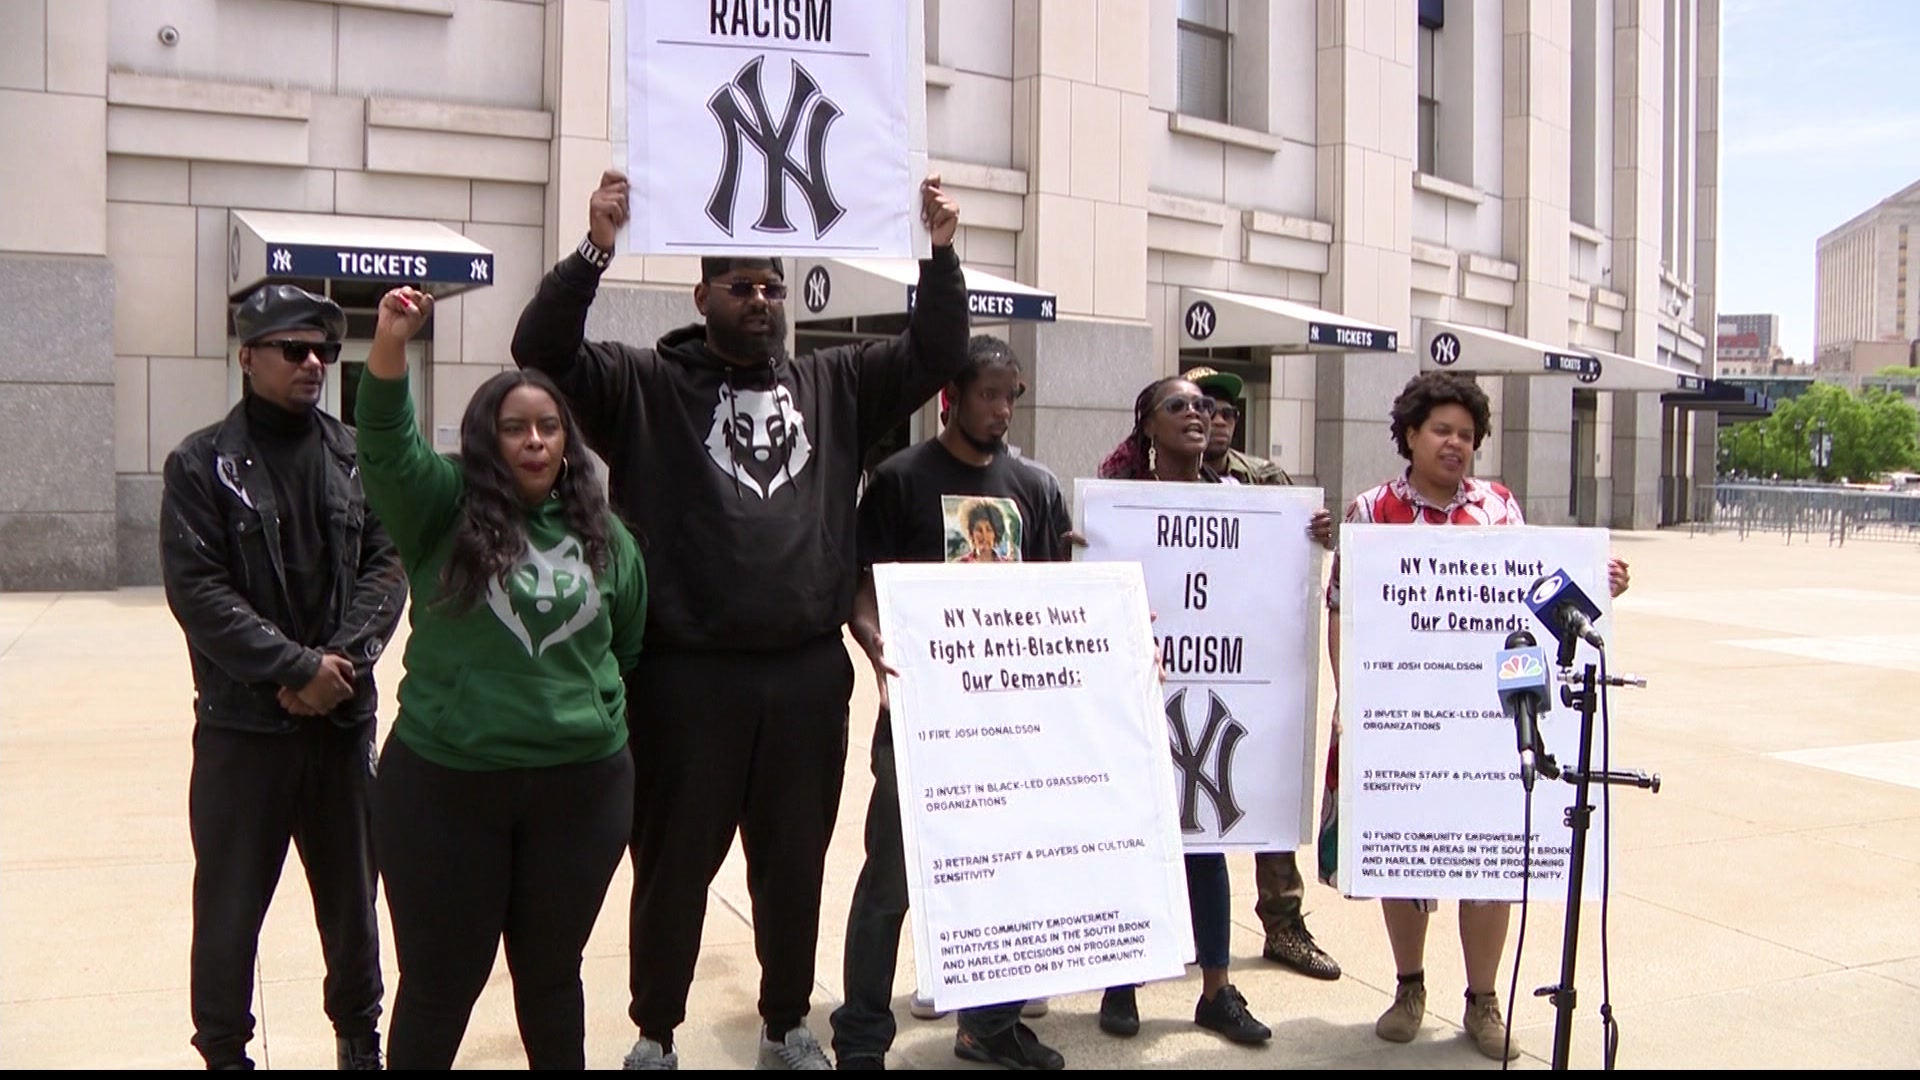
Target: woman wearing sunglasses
(1172, 419)
(505, 793)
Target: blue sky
(1820, 119)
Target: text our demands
(1043, 853)
(1431, 804)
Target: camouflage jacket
(1252, 470)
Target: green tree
(1873, 433)
(1898, 371)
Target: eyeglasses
(1181, 404)
(1230, 413)
(744, 290)
(295, 352)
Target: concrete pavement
(1764, 909)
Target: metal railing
(1836, 513)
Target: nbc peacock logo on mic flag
(1523, 666)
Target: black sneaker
(1015, 1048)
(1120, 1013)
(861, 1061)
(1227, 1015)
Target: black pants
(470, 856)
(733, 740)
(864, 1026)
(249, 795)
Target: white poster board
(1431, 805)
(1041, 848)
(1234, 585)
(791, 128)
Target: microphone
(1566, 611)
(1522, 680)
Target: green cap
(1207, 378)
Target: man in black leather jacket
(287, 589)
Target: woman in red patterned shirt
(1438, 420)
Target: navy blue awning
(1715, 395)
(266, 246)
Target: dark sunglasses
(744, 290)
(1230, 413)
(295, 352)
(1181, 404)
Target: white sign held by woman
(786, 128)
(1431, 805)
(1041, 849)
(1234, 584)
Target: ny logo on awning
(1200, 316)
(741, 108)
(1196, 778)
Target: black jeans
(864, 1026)
(748, 741)
(1210, 903)
(472, 856)
(250, 794)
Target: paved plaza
(1766, 909)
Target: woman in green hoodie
(504, 797)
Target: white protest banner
(1234, 584)
(1431, 805)
(770, 127)
(1042, 853)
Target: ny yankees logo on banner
(1192, 760)
(1200, 317)
(1445, 349)
(742, 110)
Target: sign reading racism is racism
(1234, 582)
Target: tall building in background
(1867, 289)
(1748, 345)
(1324, 196)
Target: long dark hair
(1131, 459)
(491, 535)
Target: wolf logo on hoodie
(759, 438)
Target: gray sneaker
(649, 1056)
(798, 1052)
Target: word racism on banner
(771, 126)
(1234, 583)
(1042, 852)
(1431, 804)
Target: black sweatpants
(864, 1027)
(754, 741)
(470, 856)
(249, 794)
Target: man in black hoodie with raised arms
(738, 468)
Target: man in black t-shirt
(958, 497)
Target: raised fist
(607, 210)
(403, 312)
(938, 210)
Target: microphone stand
(1580, 692)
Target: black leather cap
(273, 308)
